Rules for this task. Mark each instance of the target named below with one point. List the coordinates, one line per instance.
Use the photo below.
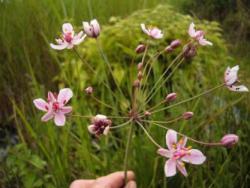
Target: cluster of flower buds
(137, 82)
(173, 45)
(100, 124)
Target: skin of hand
(114, 180)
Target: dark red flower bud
(140, 48)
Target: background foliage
(48, 156)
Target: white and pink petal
(170, 168)
(231, 75)
(64, 95)
(240, 88)
(181, 167)
(66, 109)
(205, 42)
(96, 26)
(67, 28)
(191, 30)
(195, 156)
(91, 129)
(41, 104)
(59, 119)
(48, 116)
(143, 27)
(59, 46)
(164, 152)
(171, 139)
(79, 38)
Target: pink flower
(69, 39)
(231, 78)
(178, 154)
(55, 106)
(92, 29)
(229, 140)
(153, 32)
(100, 125)
(198, 35)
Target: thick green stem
(127, 152)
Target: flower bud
(174, 44)
(147, 113)
(139, 75)
(89, 90)
(140, 48)
(171, 97)
(187, 115)
(189, 51)
(140, 66)
(168, 49)
(92, 29)
(229, 140)
(136, 83)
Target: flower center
(179, 153)
(199, 34)
(55, 106)
(68, 37)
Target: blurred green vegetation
(48, 156)
(234, 16)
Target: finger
(131, 184)
(82, 184)
(115, 179)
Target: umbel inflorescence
(176, 152)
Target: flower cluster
(69, 39)
(177, 152)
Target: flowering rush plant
(140, 113)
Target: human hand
(114, 180)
